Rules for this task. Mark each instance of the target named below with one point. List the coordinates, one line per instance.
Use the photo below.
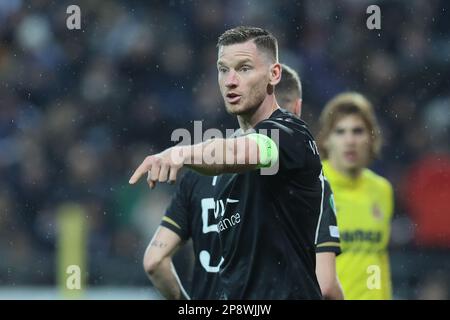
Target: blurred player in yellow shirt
(349, 139)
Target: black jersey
(267, 233)
(327, 229)
(193, 213)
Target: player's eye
(222, 69)
(358, 131)
(339, 131)
(245, 68)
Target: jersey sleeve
(177, 217)
(328, 233)
(389, 199)
(294, 144)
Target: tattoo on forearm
(158, 244)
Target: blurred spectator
(427, 194)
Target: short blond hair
(344, 104)
(289, 88)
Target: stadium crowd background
(80, 108)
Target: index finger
(143, 168)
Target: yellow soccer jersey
(364, 210)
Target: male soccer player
(289, 96)
(267, 228)
(190, 214)
(349, 139)
(192, 208)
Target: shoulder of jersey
(376, 179)
(287, 119)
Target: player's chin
(235, 109)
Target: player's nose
(350, 138)
(231, 79)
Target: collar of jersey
(337, 178)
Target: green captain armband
(268, 150)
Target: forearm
(337, 294)
(334, 292)
(166, 281)
(327, 277)
(213, 157)
(219, 156)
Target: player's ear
(275, 74)
(298, 107)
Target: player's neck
(267, 107)
(352, 173)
